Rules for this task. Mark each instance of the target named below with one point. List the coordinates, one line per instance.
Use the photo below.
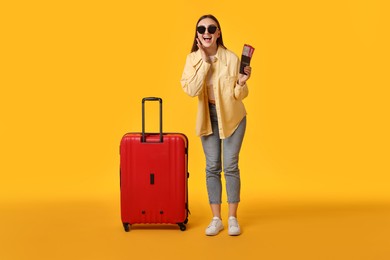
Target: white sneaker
(215, 227)
(234, 227)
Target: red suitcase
(153, 176)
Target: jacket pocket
(228, 85)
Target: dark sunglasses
(202, 29)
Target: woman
(212, 74)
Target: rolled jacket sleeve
(241, 92)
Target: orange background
(73, 74)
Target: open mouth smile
(207, 39)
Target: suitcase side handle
(143, 138)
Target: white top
(210, 78)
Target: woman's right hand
(205, 58)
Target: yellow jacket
(228, 93)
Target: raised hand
(242, 78)
(205, 58)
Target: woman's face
(208, 37)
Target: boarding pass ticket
(248, 50)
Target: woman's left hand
(242, 78)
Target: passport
(246, 57)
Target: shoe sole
(214, 234)
(231, 233)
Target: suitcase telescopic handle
(143, 139)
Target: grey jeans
(212, 147)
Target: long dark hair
(219, 40)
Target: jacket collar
(221, 55)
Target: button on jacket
(228, 93)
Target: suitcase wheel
(182, 226)
(126, 226)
